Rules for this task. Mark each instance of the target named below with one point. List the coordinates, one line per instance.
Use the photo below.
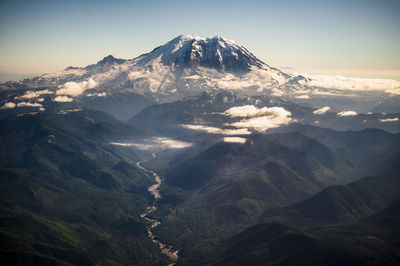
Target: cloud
(8, 105)
(347, 113)
(245, 111)
(235, 140)
(217, 130)
(255, 119)
(34, 94)
(74, 89)
(63, 99)
(99, 94)
(389, 120)
(259, 119)
(64, 112)
(29, 104)
(156, 143)
(302, 97)
(393, 91)
(263, 123)
(322, 110)
(355, 84)
(334, 93)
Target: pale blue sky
(357, 37)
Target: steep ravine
(166, 249)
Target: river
(153, 223)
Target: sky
(358, 38)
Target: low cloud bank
(337, 82)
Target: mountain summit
(216, 52)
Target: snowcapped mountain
(192, 51)
(178, 68)
(184, 66)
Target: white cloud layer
(156, 143)
(235, 140)
(389, 86)
(75, 88)
(389, 120)
(8, 105)
(322, 110)
(63, 99)
(347, 113)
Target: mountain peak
(109, 60)
(190, 51)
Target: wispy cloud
(322, 110)
(217, 130)
(156, 143)
(347, 113)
